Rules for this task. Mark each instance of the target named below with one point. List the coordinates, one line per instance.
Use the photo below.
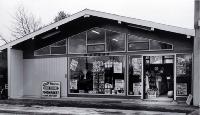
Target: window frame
(160, 42)
(125, 40)
(126, 44)
(66, 45)
(149, 50)
(123, 66)
(85, 42)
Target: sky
(171, 12)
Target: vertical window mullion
(86, 44)
(105, 41)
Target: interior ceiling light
(115, 40)
(141, 27)
(95, 32)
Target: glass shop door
(158, 77)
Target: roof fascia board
(164, 27)
(45, 29)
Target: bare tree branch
(24, 23)
(2, 38)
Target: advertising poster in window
(137, 66)
(181, 88)
(181, 66)
(119, 84)
(50, 89)
(73, 65)
(73, 84)
(137, 88)
(97, 66)
(117, 67)
(155, 59)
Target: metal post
(196, 61)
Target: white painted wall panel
(16, 74)
(44, 69)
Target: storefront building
(96, 54)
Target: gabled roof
(87, 12)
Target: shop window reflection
(55, 48)
(137, 43)
(96, 35)
(156, 45)
(140, 43)
(77, 43)
(115, 41)
(97, 75)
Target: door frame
(174, 68)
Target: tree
(61, 15)
(2, 40)
(24, 23)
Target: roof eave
(184, 31)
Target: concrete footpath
(101, 103)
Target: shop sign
(50, 89)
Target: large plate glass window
(43, 51)
(97, 75)
(156, 45)
(137, 43)
(115, 41)
(96, 35)
(59, 47)
(184, 74)
(77, 43)
(96, 40)
(55, 48)
(135, 75)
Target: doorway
(158, 77)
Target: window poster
(97, 66)
(119, 84)
(181, 88)
(155, 59)
(73, 65)
(98, 82)
(137, 88)
(117, 67)
(137, 66)
(181, 70)
(73, 84)
(181, 66)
